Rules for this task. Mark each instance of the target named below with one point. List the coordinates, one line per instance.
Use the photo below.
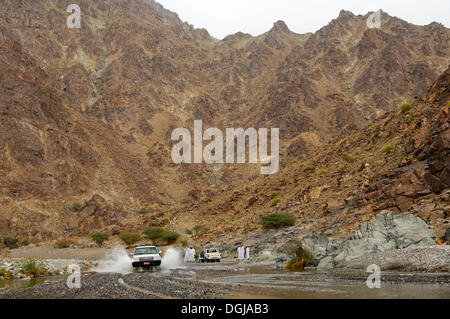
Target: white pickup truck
(146, 257)
(210, 255)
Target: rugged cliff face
(399, 162)
(87, 113)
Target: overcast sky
(224, 17)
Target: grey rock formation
(386, 231)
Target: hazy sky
(224, 17)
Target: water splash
(172, 259)
(117, 261)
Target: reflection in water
(268, 283)
(265, 282)
(26, 283)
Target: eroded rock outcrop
(386, 231)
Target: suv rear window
(145, 250)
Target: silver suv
(146, 257)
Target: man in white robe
(241, 253)
(247, 253)
(186, 255)
(193, 254)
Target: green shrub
(33, 268)
(274, 194)
(401, 158)
(156, 233)
(304, 253)
(405, 107)
(77, 206)
(320, 172)
(143, 211)
(170, 236)
(388, 149)
(5, 274)
(348, 158)
(275, 202)
(129, 238)
(308, 168)
(11, 242)
(369, 125)
(99, 238)
(63, 243)
(25, 242)
(303, 257)
(277, 220)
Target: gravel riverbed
(109, 286)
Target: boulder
(437, 215)
(289, 247)
(316, 244)
(266, 256)
(326, 263)
(385, 231)
(440, 231)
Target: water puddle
(265, 282)
(27, 283)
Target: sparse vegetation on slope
(99, 238)
(129, 238)
(277, 220)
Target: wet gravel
(175, 288)
(197, 282)
(107, 286)
(396, 277)
(420, 259)
(93, 286)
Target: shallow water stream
(266, 282)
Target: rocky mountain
(400, 163)
(87, 114)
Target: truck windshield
(145, 250)
(212, 250)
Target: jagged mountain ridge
(353, 178)
(135, 71)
